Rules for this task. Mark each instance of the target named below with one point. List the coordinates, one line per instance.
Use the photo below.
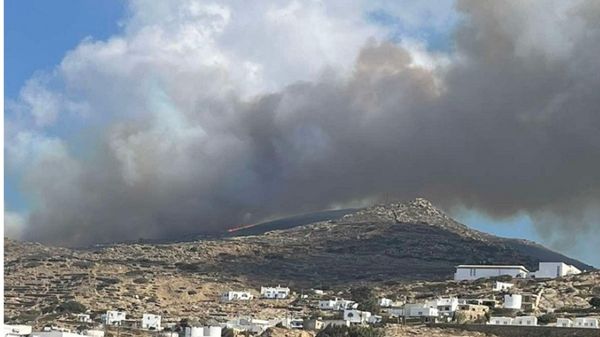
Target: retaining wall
(523, 331)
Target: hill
(384, 244)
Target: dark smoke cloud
(511, 124)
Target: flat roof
(491, 266)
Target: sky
(37, 36)
(150, 119)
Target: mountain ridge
(399, 243)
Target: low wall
(523, 331)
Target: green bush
(71, 307)
(595, 302)
(366, 299)
(227, 332)
(547, 318)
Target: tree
(595, 302)
(71, 307)
(547, 318)
(366, 299)
(227, 332)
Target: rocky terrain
(405, 250)
(422, 331)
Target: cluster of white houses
(278, 292)
(443, 309)
(545, 270)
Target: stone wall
(523, 331)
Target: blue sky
(38, 33)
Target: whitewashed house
(203, 331)
(445, 306)
(500, 320)
(420, 310)
(525, 320)
(356, 316)
(236, 296)
(275, 292)
(474, 271)
(151, 322)
(16, 330)
(564, 322)
(555, 269)
(396, 312)
(252, 325)
(513, 301)
(337, 304)
(385, 302)
(502, 286)
(169, 334)
(335, 322)
(83, 318)
(53, 333)
(94, 333)
(586, 322)
(114, 317)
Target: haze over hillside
(392, 243)
(209, 116)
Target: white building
(564, 322)
(445, 306)
(337, 304)
(293, 323)
(586, 322)
(83, 318)
(356, 316)
(473, 271)
(396, 312)
(555, 269)
(385, 302)
(253, 325)
(525, 320)
(236, 296)
(94, 333)
(53, 333)
(502, 286)
(113, 317)
(500, 320)
(274, 292)
(169, 334)
(203, 331)
(16, 330)
(335, 322)
(420, 310)
(513, 301)
(151, 322)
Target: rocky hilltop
(394, 243)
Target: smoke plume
(197, 118)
